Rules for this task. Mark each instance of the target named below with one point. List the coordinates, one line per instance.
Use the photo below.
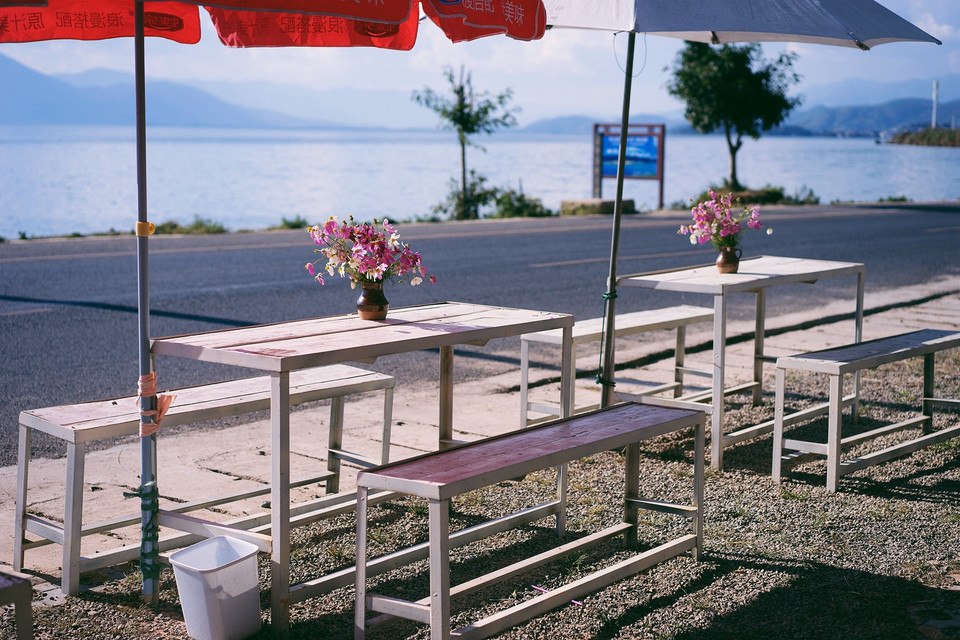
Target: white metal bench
(15, 589)
(591, 330)
(80, 424)
(850, 359)
(441, 476)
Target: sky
(567, 72)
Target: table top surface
(314, 342)
(485, 462)
(754, 273)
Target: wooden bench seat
(591, 330)
(850, 359)
(441, 476)
(80, 424)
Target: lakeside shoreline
(941, 205)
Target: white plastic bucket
(217, 584)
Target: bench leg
(439, 569)
(24, 618)
(335, 442)
(562, 499)
(678, 360)
(928, 380)
(833, 432)
(360, 574)
(73, 518)
(699, 461)
(631, 491)
(778, 411)
(23, 464)
(387, 424)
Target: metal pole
(149, 527)
(607, 373)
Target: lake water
(60, 180)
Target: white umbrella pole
(606, 378)
(149, 529)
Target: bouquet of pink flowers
(365, 252)
(717, 221)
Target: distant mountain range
(107, 98)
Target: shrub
(297, 222)
(765, 195)
(199, 225)
(515, 204)
(477, 196)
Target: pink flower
(716, 221)
(365, 252)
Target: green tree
(468, 112)
(735, 89)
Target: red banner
(98, 20)
(271, 29)
(470, 19)
(390, 11)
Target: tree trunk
(462, 204)
(733, 146)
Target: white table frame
(281, 348)
(755, 276)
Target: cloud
(937, 29)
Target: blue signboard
(642, 155)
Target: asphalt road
(68, 330)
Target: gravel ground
(880, 559)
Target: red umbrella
(390, 24)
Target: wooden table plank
(274, 348)
(762, 271)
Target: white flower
(769, 231)
(415, 281)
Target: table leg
(758, 337)
(524, 382)
(679, 356)
(446, 398)
(334, 443)
(280, 504)
(360, 575)
(439, 569)
(719, 359)
(568, 373)
(699, 437)
(857, 337)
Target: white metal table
(281, 348)
(755, 276)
